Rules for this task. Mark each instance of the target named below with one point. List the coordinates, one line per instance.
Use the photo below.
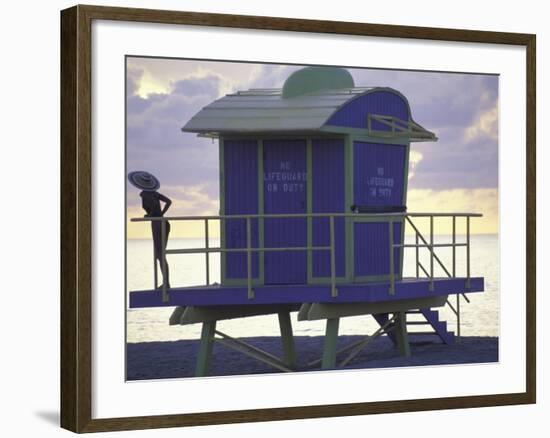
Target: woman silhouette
(150, 201)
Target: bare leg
(158, 252)
(166, 280)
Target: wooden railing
(391, 218)
(433, 257)
(398, 127)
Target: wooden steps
(431, 318)
(440, 327)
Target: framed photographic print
(267, 218)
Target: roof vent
(311, 79)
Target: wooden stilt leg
(401, 334)
(289, 354)
(381, 319)
(331, 337)
(205, 349)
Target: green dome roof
(311, 79)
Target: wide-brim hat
(144, 180)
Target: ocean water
(480, 317)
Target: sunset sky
(457, 173)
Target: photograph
(285, 218)
(266, 218)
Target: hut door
(285, 192)
(379, 183)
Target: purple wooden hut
(319, 145)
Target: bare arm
(167, 202)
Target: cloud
(485, 126)
(133, 77)
(199, 199)
(414, 158)
(462, 109)
(160, 74)
(272, 75)
(162, 95)
(208, 86)
(154, 138)
(192, 200)
(484, 201)
(182, 161)
(452, 164)
(188, 200)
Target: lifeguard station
(313, 195)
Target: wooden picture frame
(76, 217)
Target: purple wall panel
(328, 196)
(378, 172)
(372, 254)
(241, 197)
(354, 114)
(285, 191)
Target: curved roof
(266, 110)
(306, 103)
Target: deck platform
(218, 295)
